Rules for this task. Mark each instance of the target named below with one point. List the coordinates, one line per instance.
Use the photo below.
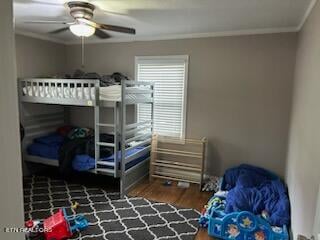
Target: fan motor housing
(80, 9)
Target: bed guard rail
(137, 134)
(81, 92)
(135, 92)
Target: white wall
(11, 206)
(39, 58)
(303, 164)
(239, 91)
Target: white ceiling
(167, 19)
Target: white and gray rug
(109, 217)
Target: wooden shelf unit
(178, 159)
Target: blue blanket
(250, 176)
(255, 189)
(84, 162)
(43, 150)
(53, 139)
(46, 146)
(49, 147)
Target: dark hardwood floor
(189, 197)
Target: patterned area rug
(109, 217)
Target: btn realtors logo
(31, 228)
(25, 230)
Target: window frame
(169, 58)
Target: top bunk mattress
(110, 93)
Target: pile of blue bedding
(50, 147)
(83, 162)
(257, 190)
(47, 146)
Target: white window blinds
(170, 77)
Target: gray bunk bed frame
(123, 132)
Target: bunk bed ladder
(98, 143)
(115, 143)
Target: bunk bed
(130, 164)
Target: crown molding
(307, 14)
(190, 36)
(161, 37)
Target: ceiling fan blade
(108, 27)
(59, 30)
(88, 22)
(101, 34)
(46, 22)
(117, 28)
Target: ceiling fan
(83, 25)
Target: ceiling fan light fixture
(82, 30)
(83, 26)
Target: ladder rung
(105, 170)
(105, 144)
(105, 163)
(105, 125)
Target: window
(169, 73)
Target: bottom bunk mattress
(82, 162)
